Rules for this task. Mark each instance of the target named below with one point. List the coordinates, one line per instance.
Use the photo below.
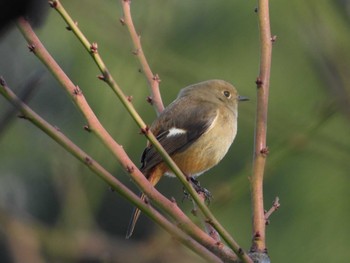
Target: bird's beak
(242, 98)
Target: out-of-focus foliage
(52, 209)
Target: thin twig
(260, 148)
(92, 49)
(275, 205)
(117, 150)
(27, 91)
(153, 80)
(94, 166)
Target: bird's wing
(177, 129)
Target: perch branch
(117, 150)
(95, 167)
(92, 49)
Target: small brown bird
(196, 130)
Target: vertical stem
(153, 80)
(260, 148)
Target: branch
(260, 148)
(117, 150)
(275, 205)
(95, 167)
(153, 80)
(93, 50)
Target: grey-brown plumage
(196, 130)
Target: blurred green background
(53, 209)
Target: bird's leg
(201, 190)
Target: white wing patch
(175, 131)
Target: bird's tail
(153, 179)
(135, 216)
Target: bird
(196, 130)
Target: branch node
(87, 128)
(145, 130)
(122, 21)
(265, 151)
(3, 81)
(88, 160)
(22, 116)
(273, 38)
(136, 52)
(156, 78)
(69, 28)
(77, 91)
(149, 99)
(258, 82)
(257, 236)
(101, 77)
(130, 169)
(31, 48)
(94, 48)
(53, 3)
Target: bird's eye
(227, 94)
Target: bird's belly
(207, 151)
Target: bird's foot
(199, 189)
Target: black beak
(242, 98)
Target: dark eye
(227, 94)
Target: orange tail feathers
(153, 178)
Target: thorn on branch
(22, 116)
(173, 200)
(2, 81)
(129, 98)
(149, 99)
(94, 48)
(57, 128)
(69, 28)
(145, 130)
(258, 82)
(257, 236)
(53, 3)
(136, 52)
(265, 151)
(77, 91)
(273, 38)
(111, 189)
(256, 9)
(240, 251)
(87, 128)
(101, 77)
(88, 160)
(139, 70)
(156, 78)
(31, 48)
(122, 21)
(130, 169)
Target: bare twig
(27, 91)
(260, 148)
(275, 205)
(102, 173)
(95, 126)
(153, 80)
(92, 49)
